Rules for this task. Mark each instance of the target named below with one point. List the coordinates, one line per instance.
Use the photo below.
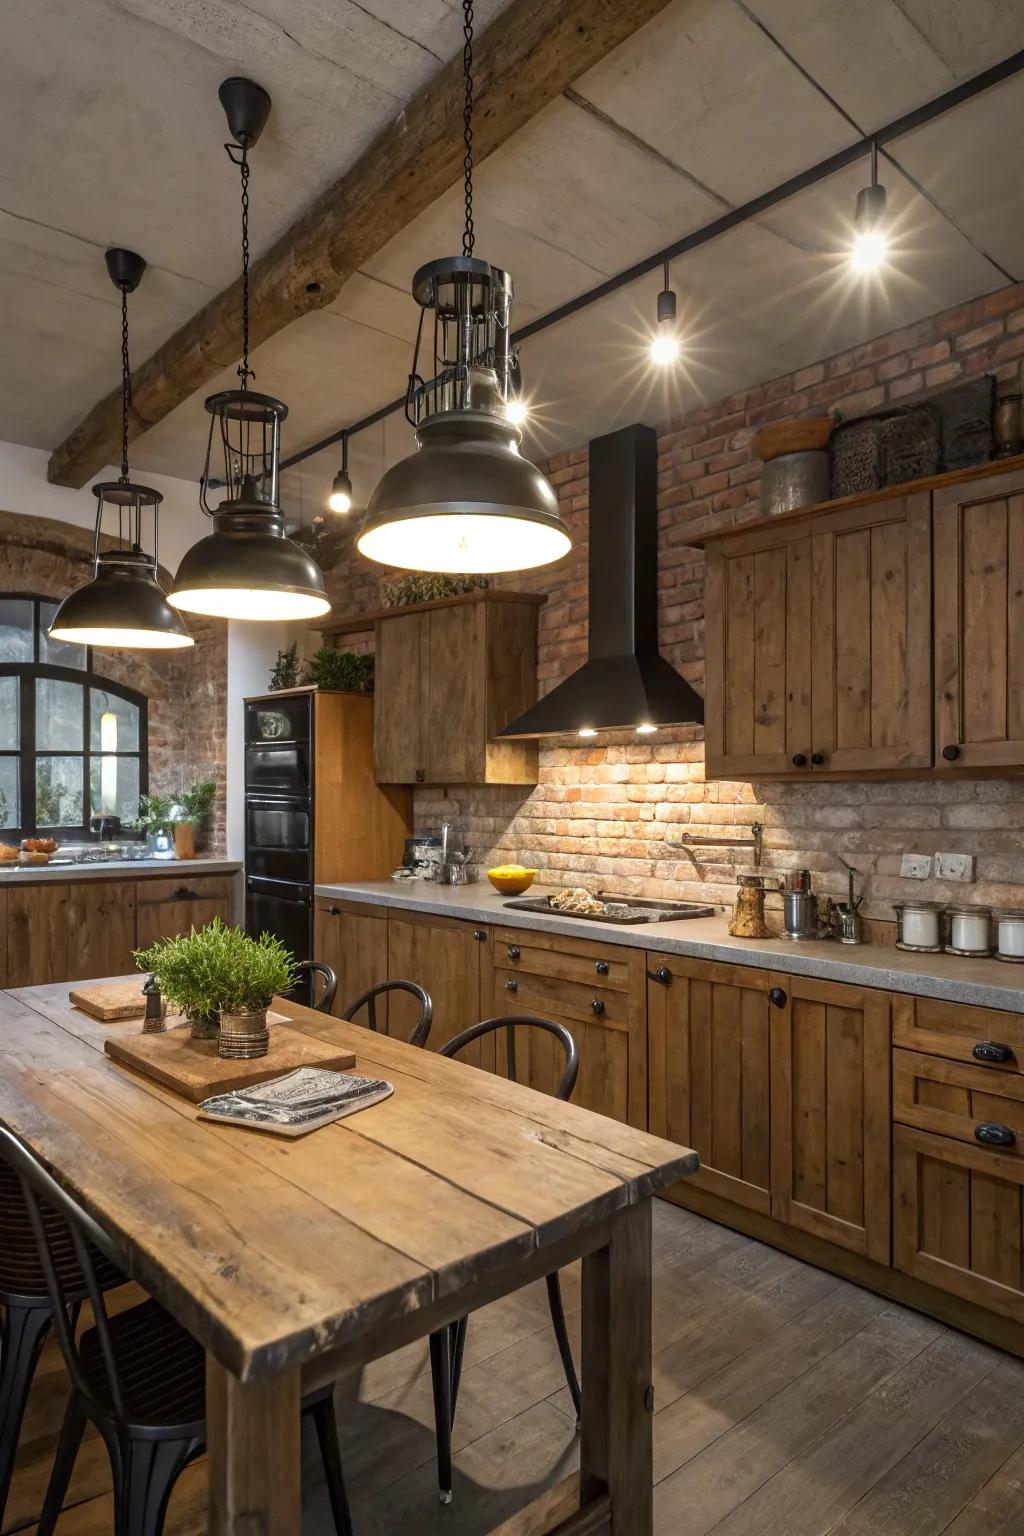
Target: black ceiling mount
(246, 107)
(125, 269)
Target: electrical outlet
(915, 866)
(954, 866)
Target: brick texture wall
(615, 815)
(186, 689)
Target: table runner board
(407, 1203)
(195, 1070)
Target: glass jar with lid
(970, 931)
(919, 926)
(1009, 923)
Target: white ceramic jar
(970, 931)
(1009, 933)
(920, 925)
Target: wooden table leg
(618, 1400)
(252, 1431)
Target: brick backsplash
(618, 815)
(186, 689)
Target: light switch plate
(916, 866)
(954, 866)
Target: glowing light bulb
(340, 499)
(664, 347)
(869, 250)
(516, 411)
(587, 731)
(646, 729)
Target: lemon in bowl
(511, 879)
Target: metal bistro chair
(27, 1312)
(138, 1376)
(368, 1000)
(448, 1345)
(313, 969)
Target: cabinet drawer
(217, 888)
(583, 963)
(969, 1103)
(554, 997)
(960, 1032)
(957, 1221)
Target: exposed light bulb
(516, 411)
(664, 347)
(340, 499)
(646, 729)
(871, 242)
(869, 250)
(587, 731)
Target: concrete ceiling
(711, 103)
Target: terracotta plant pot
(184, 840)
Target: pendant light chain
(468, 236)
(244, 371)
(126, 382)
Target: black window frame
(27, 673)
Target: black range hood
(625, 682)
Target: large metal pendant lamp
(247, 568)
(123, 606)
(465, 500)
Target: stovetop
(621, 909)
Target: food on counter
(39, 845)
(511, 879)
(576, 899)
(34, 856)
(8, 853)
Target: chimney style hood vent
(625, 682)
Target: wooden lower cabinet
(830, 1054)
(70, 932)
(166, 908)
(451, 959)
(710, 1072)
(781, 1084)
(353, 941)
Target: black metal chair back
(510, 1023)
(425, 1017)
(313, 969)
(56, 1217)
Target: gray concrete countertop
(985, 983)
(116, 869)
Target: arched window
(72, 742)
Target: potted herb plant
(257, 970)
(191, 973)
(156, 819)
(191, 816)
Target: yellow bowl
(511, 882)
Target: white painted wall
(252, 651)
(24, 488)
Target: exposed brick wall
(615, 814)
(186, 689)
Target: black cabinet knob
(951, 753)
(479, 935)
(184, 894)
(421, 775)
(511, 985)
(601, 967)
(513, 951)
(662, 974)
(991, 1051)
(799, 759)
(991, 1134)
(334, 911)
(778, 997)
(597, 1006)
(817, 758)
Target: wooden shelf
(366, 621)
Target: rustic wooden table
(294, 1260)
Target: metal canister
(794, 480)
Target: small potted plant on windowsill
(191, 816)
(156, 819)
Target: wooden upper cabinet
(831, 1112)
(449, 676)
(979, 622)
(819, 643)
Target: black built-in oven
(278, 746)
(279, 838)
(286, 911)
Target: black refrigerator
(279, 812)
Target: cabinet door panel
(442, 955)
(830, 1106)
(355, 945)
(612, 1069)
(70, 932)
(453, 695)
(871, 595)
(398, 703)
(979, 622)
(167, 908)
(710, 1080)
(958, 1221)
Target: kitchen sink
(622, 909)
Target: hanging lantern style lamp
(247, 568)
(123, 605)
(465, 500)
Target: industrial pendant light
(247, 568)
(465, 500)
(871, 242)
(123, 605)
(340, 499)
(665, 342)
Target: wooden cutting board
(113, 1000)
(193, 1068)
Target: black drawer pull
(421, 775)
(662, 974)
(511, 985)
(991, 1051)
(334, 911)
(513, 951)
(597, 1006)
(951, 753)
(601, 967)
(991, 1134)
(777, 997)
(817, 758)
(479, 935)
(799, 759)
(184, 894)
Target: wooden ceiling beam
(528, 55)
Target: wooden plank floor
(789, 1403)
